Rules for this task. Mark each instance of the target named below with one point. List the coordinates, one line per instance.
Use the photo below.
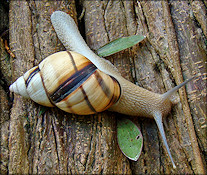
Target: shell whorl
(69, 81)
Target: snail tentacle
(158, 119)
(169, 93)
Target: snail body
(99, 87)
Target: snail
(80, 82)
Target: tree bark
(55, 142)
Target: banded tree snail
(80, 82)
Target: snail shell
(69, 81)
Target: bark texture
(55, 142)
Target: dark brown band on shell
(87, 100)
(72, 83)
(115, 99)
(45, 88)
(102, 84)
(73, 62)
(32, 74)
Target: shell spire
(19, 87)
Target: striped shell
(69, 81)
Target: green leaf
(43, 109)
(119, 45)
(130, 139)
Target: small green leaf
(119, 45)
(43, 109)
(130, 139)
